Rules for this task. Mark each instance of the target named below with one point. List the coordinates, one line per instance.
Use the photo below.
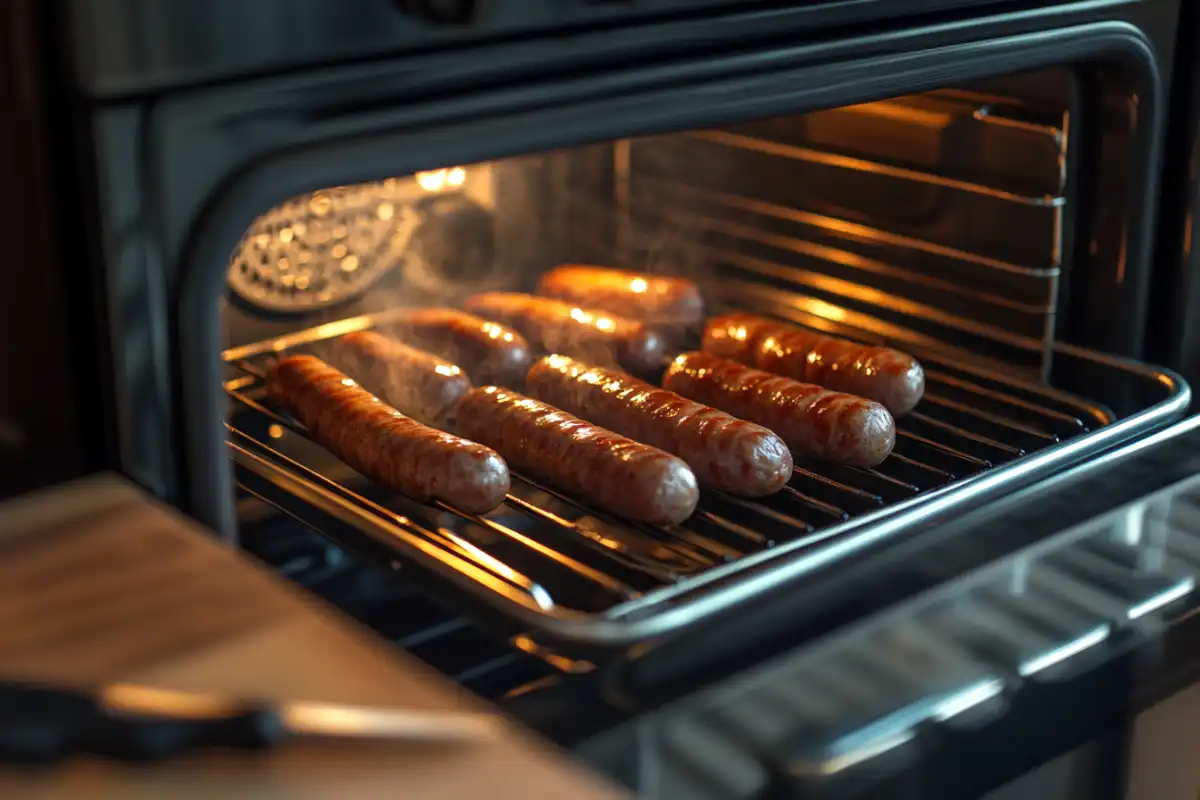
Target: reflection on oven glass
(328, 247)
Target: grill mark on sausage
(601, 466)
(723, 451)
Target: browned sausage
(586, 333)
(625, 477)
(391, 449)
(488, 351)
(880, 373)
(649, 298)
(417, 383)
(723, 451)
(813, 421)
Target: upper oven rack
(913, 227)
(877, 166)
(572, 573)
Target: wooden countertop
(99, 583)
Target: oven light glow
(638, 285)
(441, 179)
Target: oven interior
(969, 226)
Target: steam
(459, 230)
(661, 235)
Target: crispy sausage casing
(417, 383)
(625, 477)
(560, 327)
(650, 298)
(723, 451)
(813, 421)
(488, 351)
(893, 378)
(396, 452)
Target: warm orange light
(441, 179)
(638, 285)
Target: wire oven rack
(578, 575)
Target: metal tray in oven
(578, 576)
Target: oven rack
(825, 156)
(569, 572)
(943, 271)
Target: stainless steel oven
(975, 183)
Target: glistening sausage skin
(723, 451)
(592, 463)
(417, 383)
(559, 327)
(889, 376)
(391, 449)
(488, 351)
(650, 298)
(814, 422)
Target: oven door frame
(207, 161)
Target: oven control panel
(129, 47)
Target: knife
(136, 722)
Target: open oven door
(1062, 639)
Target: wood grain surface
(99, 583)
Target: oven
(979, 184)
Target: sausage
(561, 327)
(488, 351)
(649, 298)
(889, 376)
(417, 383)
(391, 449)
(626, 477)
(814, 422)
(723, 451)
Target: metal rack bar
(878, 167)
(857, 230)
(840, 256)
(849, 290)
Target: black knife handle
(147, 738)
(39, 724)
